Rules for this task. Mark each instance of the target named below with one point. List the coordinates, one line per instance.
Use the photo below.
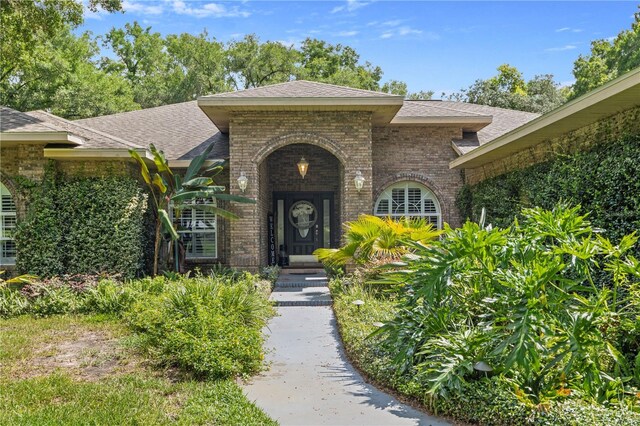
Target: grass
(85, 370)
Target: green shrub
(84, 226)
(39, 237)
(603, 180)
(206, 326)
(484, 401)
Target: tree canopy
(608, 59)
(508, 89)
(45, 64)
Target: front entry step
(301, 290)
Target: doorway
(304, 223)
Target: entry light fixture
(358, 180)
(243, 181)
(303, 166)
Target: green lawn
(85, 370)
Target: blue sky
(439, 46)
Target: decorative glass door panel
(305, 219)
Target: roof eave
(618, 95)
(219, 109)
(61, 138)
(471, 124)
(95, 154)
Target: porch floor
(310, 381)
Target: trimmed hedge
(605, 181)
(84, 226)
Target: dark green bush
(604, 181)
(84, 226)
(39, 237)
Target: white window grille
(410, 200)
(7, 227)
(197, 229)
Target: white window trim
(213, 230)
(427, 194)
(8, 261)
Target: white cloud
(393, 23)
(98, 14)
(561, 48)
(350, 6)
(214, 10)
(569, 29)
(140, 8)
(347, 33)
(406, 31)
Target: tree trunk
(156, 249)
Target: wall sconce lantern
(243, 181)
(303, 166)
(358, 180)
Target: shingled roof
(93, 139)
(181, 130)
(16, 121)
(301, 89)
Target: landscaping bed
(504, 326)
(150, 351)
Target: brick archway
(274, 144)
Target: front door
(304, 222)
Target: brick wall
(254, 136)
(421, 154)
(626, 122)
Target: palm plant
(520, 299)
(170, 190)
(371, 238)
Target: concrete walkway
(309, 381)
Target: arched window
(409, 199)
(7, 227)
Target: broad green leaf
(143, 167)
(160, 160)
(199, 181)
(166, 223)
(159, 183)
(196, 164)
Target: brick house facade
(401, 148)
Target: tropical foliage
(522, 300)
(174, 192)
(374, 239)
(502, 326)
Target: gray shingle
(301, 89)
(504, 120)
(181, 130)
(16, 121)
(92, 138)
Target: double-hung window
(7, 227)
(197, 229)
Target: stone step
(293, 284)
(297, 270)
(301, 296)
(293, 303)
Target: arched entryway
(306, 211)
